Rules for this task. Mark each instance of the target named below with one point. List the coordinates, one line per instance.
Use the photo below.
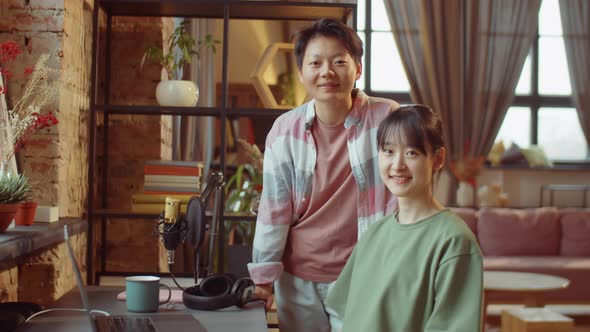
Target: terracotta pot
(7, 212)
(25, 214)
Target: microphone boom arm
(215, 182)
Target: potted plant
(18, 120)
(243, 191)
(181, 47)
(13, 190)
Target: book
(183, 163)
(171, 178)
(165, 192)
(194, 186)
(153, 208)
(160, 198)
(170, 190)
(172, 170)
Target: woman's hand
(264, 292)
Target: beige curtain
(575, 18)
(500, 35)
(464, 58)
(429, 36)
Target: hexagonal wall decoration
(266, 96)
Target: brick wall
(133, 140)
(9, 284)
(44, 275)
(56, 159)
(48, 274)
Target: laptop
(122, 323)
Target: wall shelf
(112, 213)
(239, 9)
(189, 111)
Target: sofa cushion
(511, 232)
(575, 232)
(468, 216)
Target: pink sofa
(544, 240)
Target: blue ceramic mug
(143, 293)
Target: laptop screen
(78, 275)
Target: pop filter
(196, 222)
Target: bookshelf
(227, 10)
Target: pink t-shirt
(320, 242)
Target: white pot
(465, 194)
(177, 93)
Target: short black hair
(329, 28)
(415, 125)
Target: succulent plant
(13, 188)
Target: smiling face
(406, 170)
(411, 151)
(328, 71)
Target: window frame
(534, 101)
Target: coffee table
(531, 286)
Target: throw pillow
(495, 155)
(575, 232)
(514, 232)
(536, 157)
(513, 155)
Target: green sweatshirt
(426, 276)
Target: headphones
(218, 291)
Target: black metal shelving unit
(220, 9)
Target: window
(542, 112)
(384, 75)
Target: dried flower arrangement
(466, 168)
(25, 118)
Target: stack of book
(167, 178)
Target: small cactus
(13, 188)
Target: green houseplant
(243, 191)
(180, 50)
(13, 190)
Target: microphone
(173, 227)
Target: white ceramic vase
(465, 194)
(177, 93)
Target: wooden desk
(251, 318)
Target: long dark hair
(329, 28)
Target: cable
(172, 275)
(197, 263)
(64, 309)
